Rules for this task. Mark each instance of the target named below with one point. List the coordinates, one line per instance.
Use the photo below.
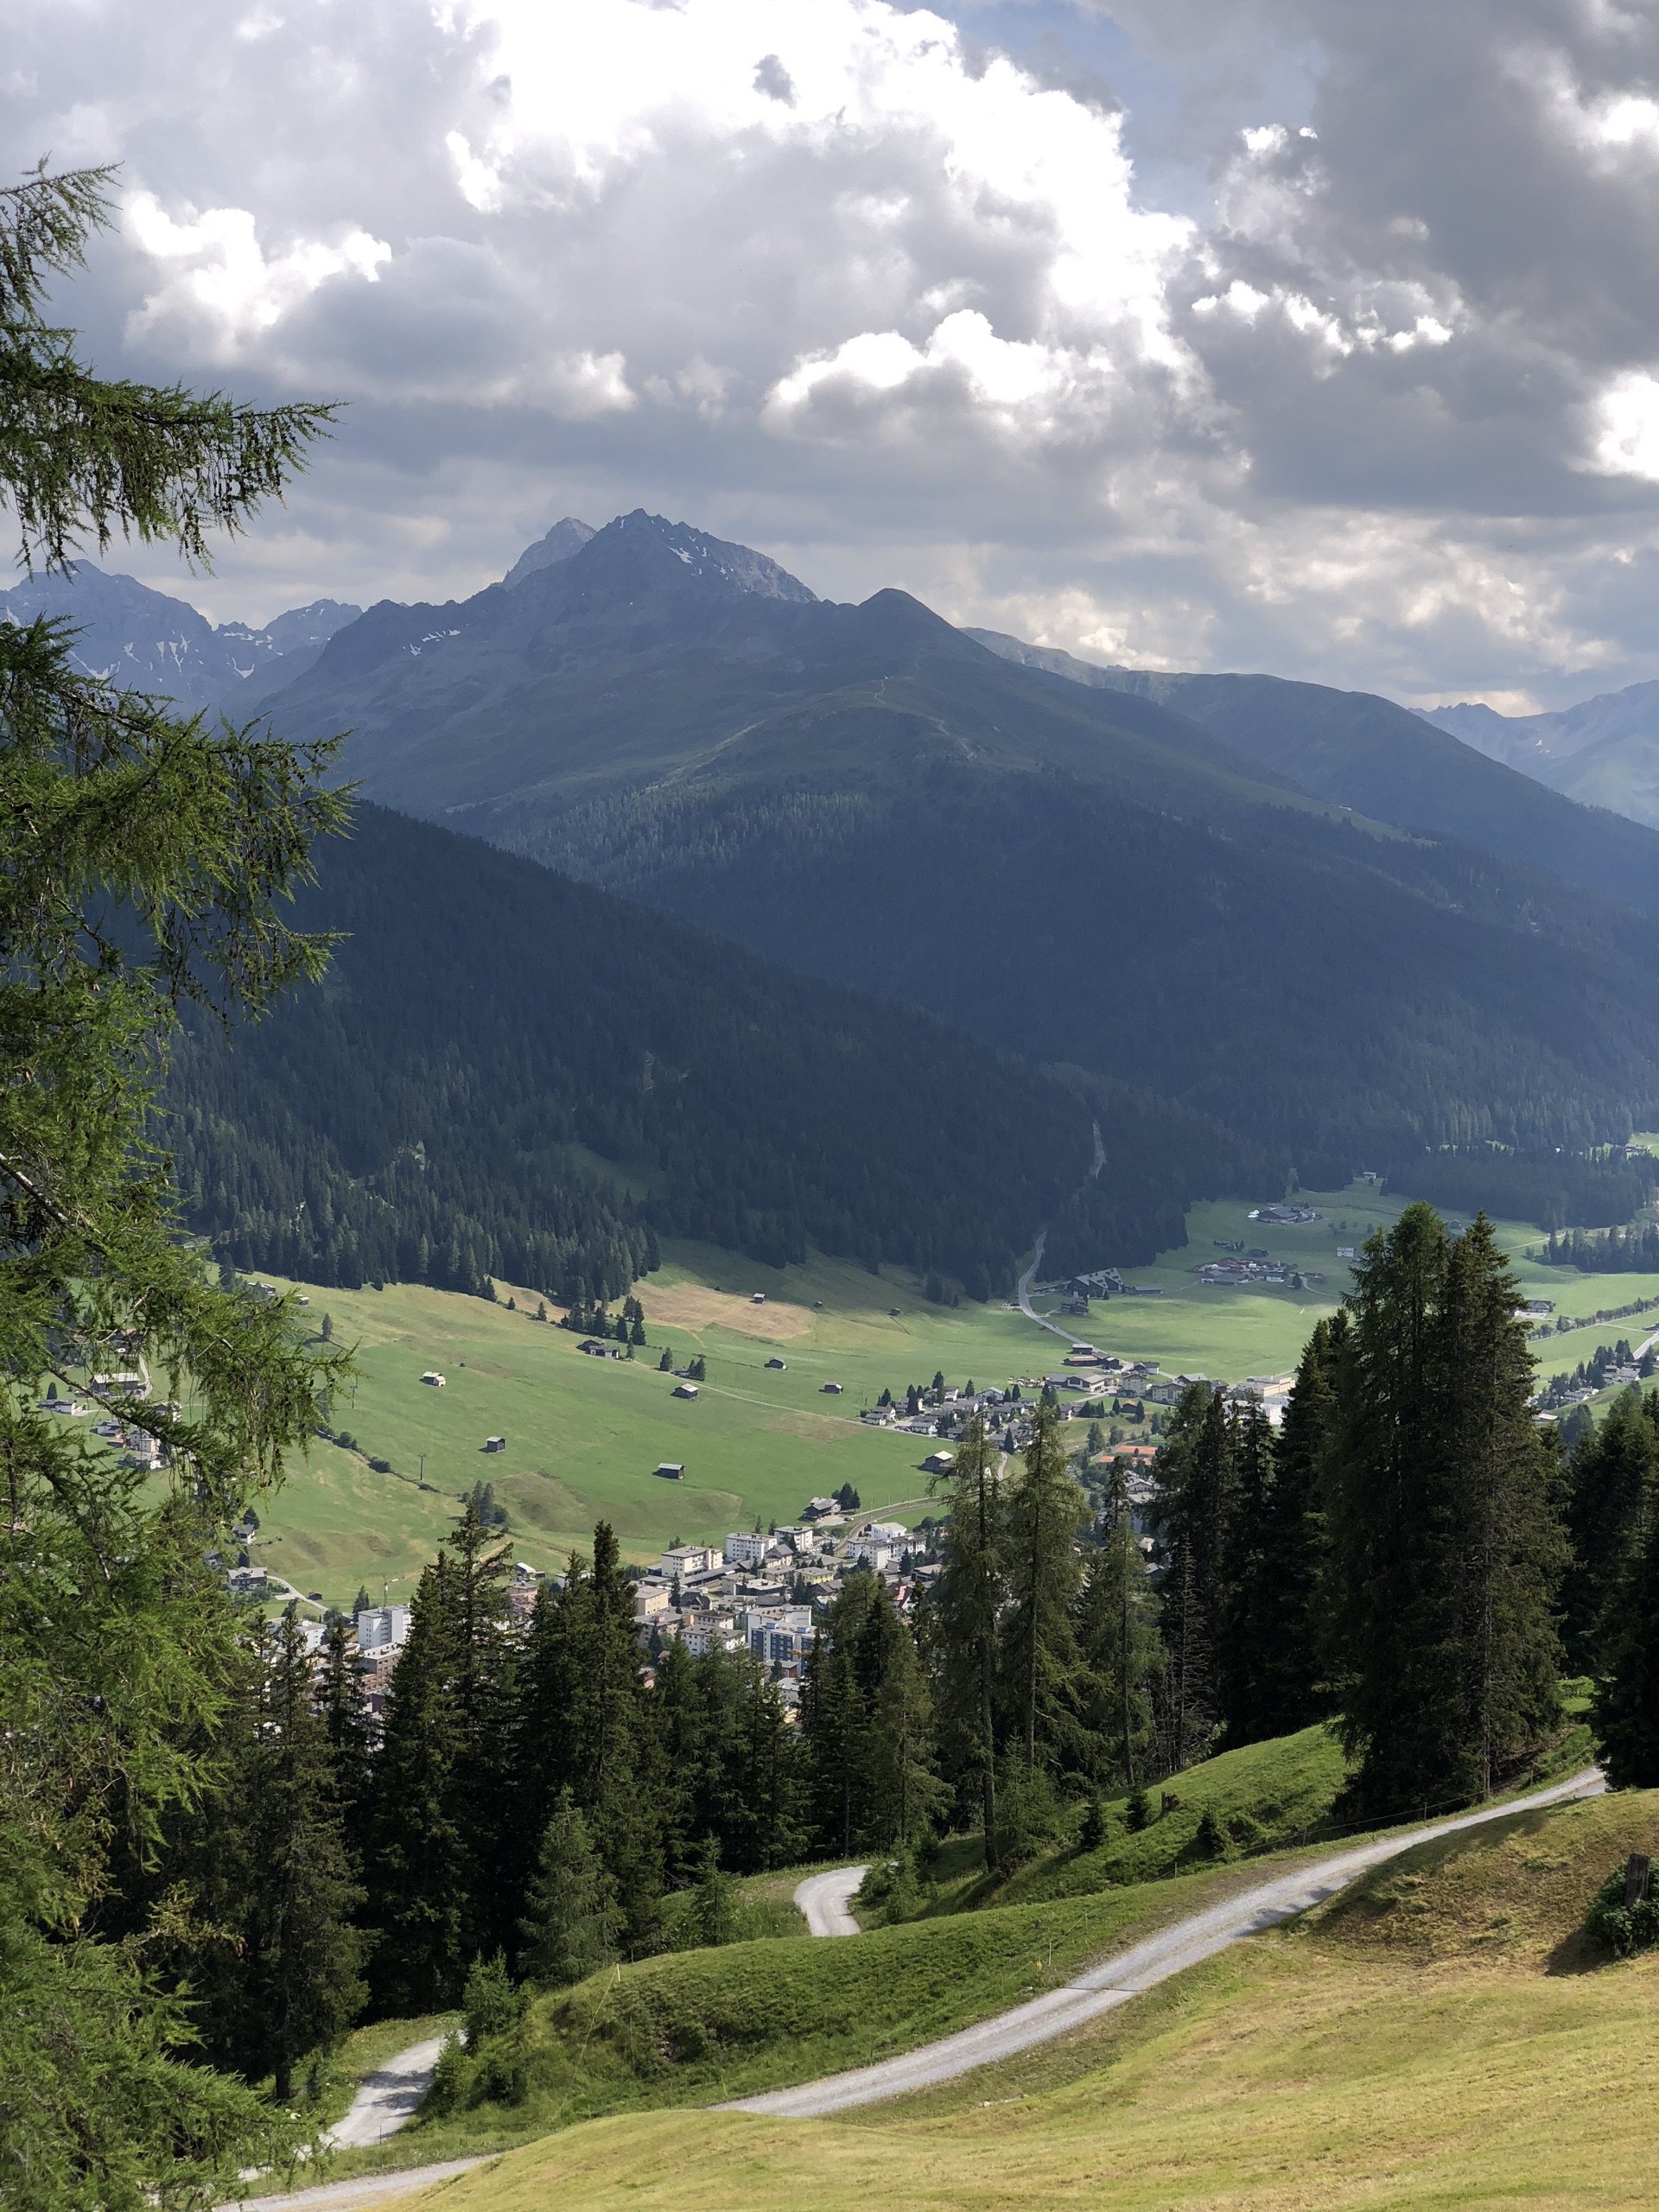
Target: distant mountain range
(1603, 751)
(146, 641)
(1289, 929)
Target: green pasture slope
(584, 1436)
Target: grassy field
(1436, 2037)
(584, 1436)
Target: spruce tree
(762, 1827)
(963, 1612)
(714, 1916)
(1194, 1514)
(299, 1954)
(1118, 1633)
(1288, 1606)
(569, 1929)
(1448, 1547)
(582, 1720)
(905, 1793)
(418, 1866)
(345, 1718)
(834, 1722)
(1510, 1548)
(1613, 1471)
(1396, 1602)
(482, 1691)
(1246, 1652)
(1042, 1674)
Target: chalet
(938, 1463)
(596, 1348)
(816, 1509)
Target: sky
(1304, 335)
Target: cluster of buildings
(106, 1393)
(1256, 1267)
(757, 1593)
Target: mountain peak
(641, 539)
(566, 537)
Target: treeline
(1556, 1188)
(491, 1036)
(1634, 1250)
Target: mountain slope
(490, 1033)
(1366, 752)
(1078, 873)
(1604, 752)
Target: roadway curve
(388, 2098)
(824, 1899)
(1024, 1293)
(1116, 1979)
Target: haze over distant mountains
(1290, 928)
(1604, 752)
(145, 640)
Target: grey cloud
(1294, 490)
(774, 80)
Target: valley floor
(584, 1437)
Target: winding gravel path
(824, 1899)
(1116, 1979)
(387, 2099)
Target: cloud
(1380, 401)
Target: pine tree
(1118, 1633)
(1611, 1473)
(569, 1929)
(1042, 1674)
(964, 1610)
